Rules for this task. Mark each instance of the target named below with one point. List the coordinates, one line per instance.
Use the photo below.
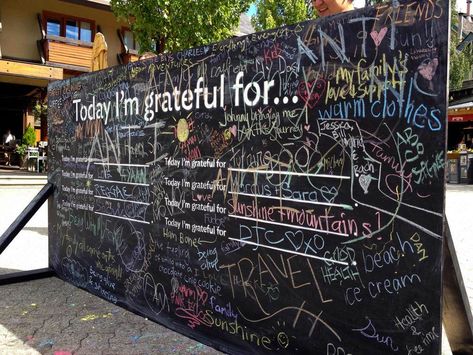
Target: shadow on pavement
(49, 316)
(39, 230)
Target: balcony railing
(68, 53)
(64, 52)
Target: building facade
(460, 111)
(42, 41)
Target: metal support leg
(10, 234)
(457, 318)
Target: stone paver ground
(49, 316)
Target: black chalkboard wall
(280, 192)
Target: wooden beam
(75, 42)
(21, 80)
(29, 70)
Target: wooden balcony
(67, 53)
(129, 56)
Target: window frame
(63, 18)
(135, 42)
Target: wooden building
(42, 41)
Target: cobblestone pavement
(50, 316)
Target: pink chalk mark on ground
(62, 352)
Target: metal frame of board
(10, 234)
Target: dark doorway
(14, 101)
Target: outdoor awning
(461, 113)
(460, 118)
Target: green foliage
(460, 62)
(277, 13)
(171, 25)
(29, 137)
(39, 109)
(21, 150)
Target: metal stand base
(23, 276)
(457, 318)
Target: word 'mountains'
(275, 193)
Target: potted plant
(28, 140)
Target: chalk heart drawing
(378, 36)
(428, 68)
(365, 181)
(328, 194)
(296, 238)
(311, 92)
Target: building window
(86, 31)
(129, 39)
(69, 26)
(53, 27)
(72, 30)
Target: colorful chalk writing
(276, 193)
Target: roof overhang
(96, 4)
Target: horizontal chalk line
(121, 200)
(276, 172)
(122, 164)
(290, 251)
(288, 225)
(125, 218)
(121, 182)
(347, 207)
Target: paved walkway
(52, 317)
(17, 177)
